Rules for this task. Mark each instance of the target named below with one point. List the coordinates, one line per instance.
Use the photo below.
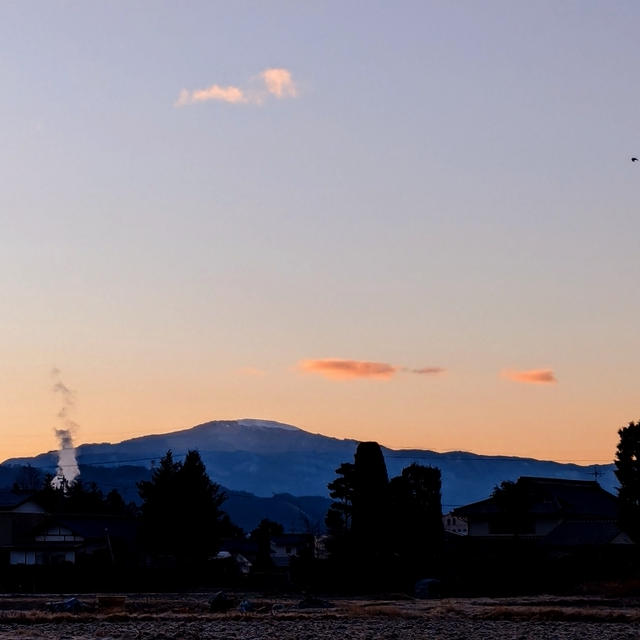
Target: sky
(411, 222)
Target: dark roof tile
(558, 497)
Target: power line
(435, 456)
(483, 458)
(112, 462)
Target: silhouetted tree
(83, 498)
(628, 473)
(338, 518)
(51, 497)
(181, 513)
(202, 500)
(114, 503)
(358, 518)
(161, 506)
(370, 511)
(229, 530)
(417, 516)
(262, 536)
(513, 501)
(80, 498)
(28, 480)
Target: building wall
(455, 524)
(59, 534)
(28, 557)
(478, 527)
(6, 529)
(543, 527)
(483, 528)
(22, 557)
(15, 526)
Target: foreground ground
(182, 616)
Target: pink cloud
(341, 369)
(233, 95)
(279, 83)
(531, 376)
(274, 82)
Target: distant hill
(266, 458)
(296, 513)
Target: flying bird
(634, 159)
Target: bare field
(187, 616)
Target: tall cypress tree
(358, 519)
(370, 517)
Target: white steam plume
(67, 470)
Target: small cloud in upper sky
(234, 95)
(531, 376)
(341, 369)
(279, 83)
(276, 82)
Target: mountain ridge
(267, 457)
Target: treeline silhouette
(382, 535)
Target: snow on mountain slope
(266, 424)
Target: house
(73, 538)
(53, 544)
(291, 545)
(240, 553)
(455, 524)
(19, 516)
(29, 535)
(554, 511)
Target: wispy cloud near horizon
(531, 376)
(342, 369)
(276, 82)
(426, 371)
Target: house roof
(586, 533)
(555, 497)
(10, 500)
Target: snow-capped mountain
(265, 458)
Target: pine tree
(181, 514)
(341, 490)
(262, 536)
(201, 501)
